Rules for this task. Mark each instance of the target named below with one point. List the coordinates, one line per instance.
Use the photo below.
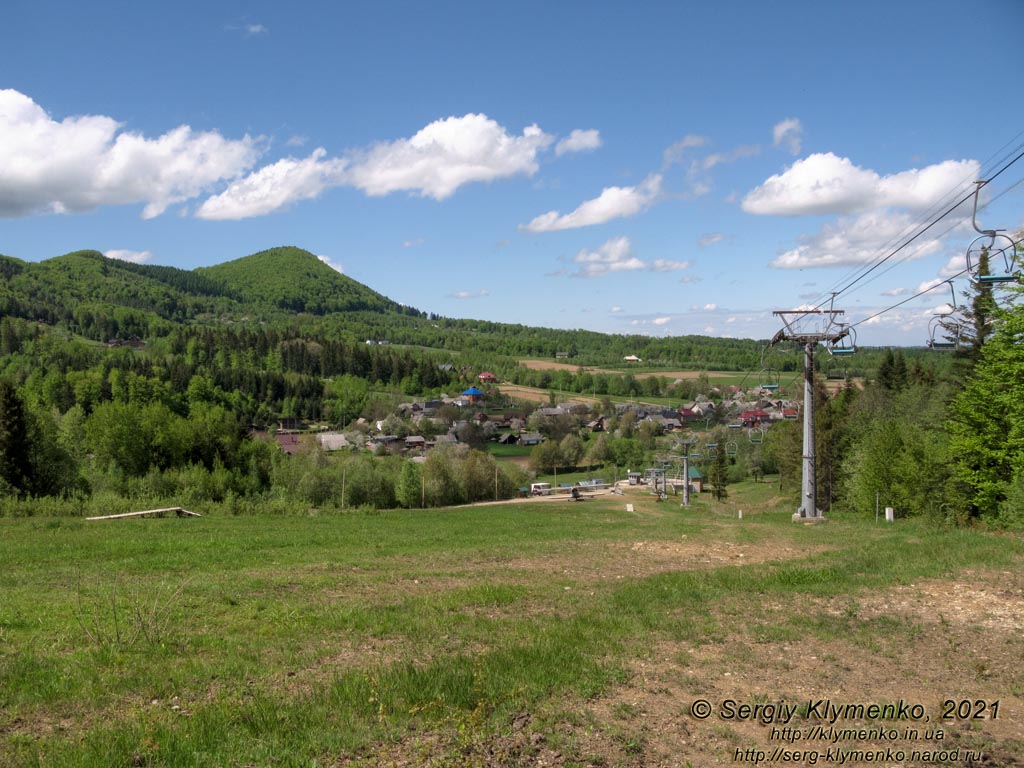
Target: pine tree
(719, 477)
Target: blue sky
(657, 168)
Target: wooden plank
(179, 511)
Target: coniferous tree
(718, 477)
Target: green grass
(300, 641)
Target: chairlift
(941, 323)
(1001, 252)
(997, 246)
(768, 379)
(731, 448)
(756, 435)
(842, 343)
(712, 449)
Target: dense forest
(122, 384)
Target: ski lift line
(989, 167)
(947, 212)
(942, 234)
(849, 285)
(856, 274)
(868, 270)
(917, 295)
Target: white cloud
(255, 29)
(445, 155)
(612, 203)
(274, 187)
(661, 320)
(956, 265)
(710, 239)
(789, 133)
(668, 265)
(745, 150)
(895, 292)
(135, 257)
(710, 307)
(616, 255)
(81, 163)
(471, 294)
(929, 285)
(855, 241)
(332, 264)
(824, 183)
(615, 310)
(579, 141)
(674, 154)
(413, 243)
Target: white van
(540, 489)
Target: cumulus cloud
(445, 155)
(852, 241)
(332, 264)
(661, 320)
(274, 187)
(929, 285)
(789, 134)
(579, 141)
(435, 162)
(824, 183)
(471, 294)
(895, 292)
(81, 163)
(617, 255)
(135, 257)
(612, 203)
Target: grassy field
(529, 633)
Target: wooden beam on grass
(179, 511)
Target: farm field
(540, 633)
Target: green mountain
(295, 280)
(290, 290)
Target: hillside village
(478, 416)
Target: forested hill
(291, 290)
(295, 280)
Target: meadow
(525, 633)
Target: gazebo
(473, 394)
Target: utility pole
(809, 327)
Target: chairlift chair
(997, 246)
(768, 379)
(941, 323)
(1001, 251)
(731, 448)
(756, 435)
(843, 343)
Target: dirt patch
(838, 651)
(593, 561)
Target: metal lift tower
(809, 327)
